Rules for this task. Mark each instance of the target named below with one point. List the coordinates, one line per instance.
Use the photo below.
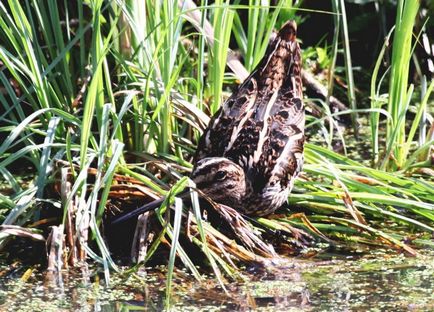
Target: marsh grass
(117, 93)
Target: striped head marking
(221, 179)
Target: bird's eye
(220, 175)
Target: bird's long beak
(148, 207)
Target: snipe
(252, 150)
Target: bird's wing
(282, 154)
(270, 145)
(262, 119)
(222, 129)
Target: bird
(252, 150)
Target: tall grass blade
(173, 249)
(348, 66)
(398, 94)
(223, 19)
(377, 102)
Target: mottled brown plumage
(252, 150)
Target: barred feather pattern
(260, 129)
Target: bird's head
(221, 179)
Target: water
(379, 281)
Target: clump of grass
(399, 141)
